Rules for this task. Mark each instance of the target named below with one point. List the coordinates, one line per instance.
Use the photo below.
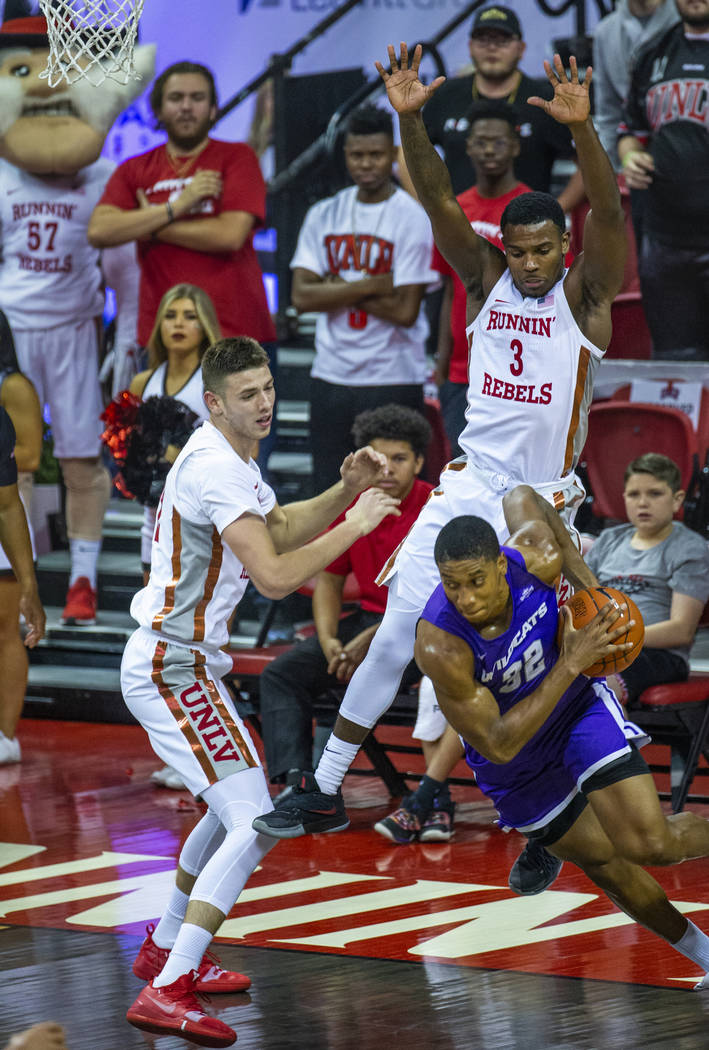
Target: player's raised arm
(597, 276)
(466, 252)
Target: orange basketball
(586, 603)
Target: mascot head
(55, 131)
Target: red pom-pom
(120, 417)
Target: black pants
(675, 289)
(288, 688)
(652, 667)
(332, 412)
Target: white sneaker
(9, 750)
(169, 778)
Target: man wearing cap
(496, 48)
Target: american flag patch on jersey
(548, 300)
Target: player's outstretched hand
(581, 647)
(371, 508)
(406, 92)
(570, 104)
(361, 469)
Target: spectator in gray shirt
(615, 39)
(662, 565)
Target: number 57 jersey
(530, 383)
(49, 273)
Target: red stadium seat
(439, 450)
(618, 432)
(631, 337)
(677, 715)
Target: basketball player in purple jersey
(537, 333)
(548, 745)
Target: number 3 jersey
(49, 272)
(530, 383)
(513, 665)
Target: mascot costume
(52, 281)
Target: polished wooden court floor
(351, 943)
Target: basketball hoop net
(91, 39)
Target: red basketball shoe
(80, 608)
(175, 1008)
(211, 977)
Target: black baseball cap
(495, 17)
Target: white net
(91, 39)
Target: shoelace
(209, 959)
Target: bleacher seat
(620, 431)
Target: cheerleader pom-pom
(120, 417)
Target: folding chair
(620, 431)
(677, 715)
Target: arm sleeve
(439, 264)
(690, 573)
(634, 119)
(244, 187)
(608, 106)
(310, 251)
(412, 257)
(120, 191)
(209, 489)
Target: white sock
(167, 929)
(334, 762)
(84, 560)
(695, 945)
(190, 945)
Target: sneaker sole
(538, 888)
(383, 830)
(436, 836)
(72, 621)
(294, 832)
(149, 1024)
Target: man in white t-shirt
(218, 525)
(363, 261)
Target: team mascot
(52, 281)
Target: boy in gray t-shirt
(662, 565)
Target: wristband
(170, 212)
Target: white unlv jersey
(530, 382)
(196, 581)
(344, 238)
(49, 273)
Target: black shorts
(632, 765)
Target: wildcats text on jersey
(357, 252)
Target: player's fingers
(588, 75)
(404, 52)
(574, 69)
(381, 71)
(418, 51)
(559, 68)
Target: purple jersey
(513, 665)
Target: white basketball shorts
(177, 695)
(62, 362)
(464, 489)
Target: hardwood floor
(350, 941)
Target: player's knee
(645, 847)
